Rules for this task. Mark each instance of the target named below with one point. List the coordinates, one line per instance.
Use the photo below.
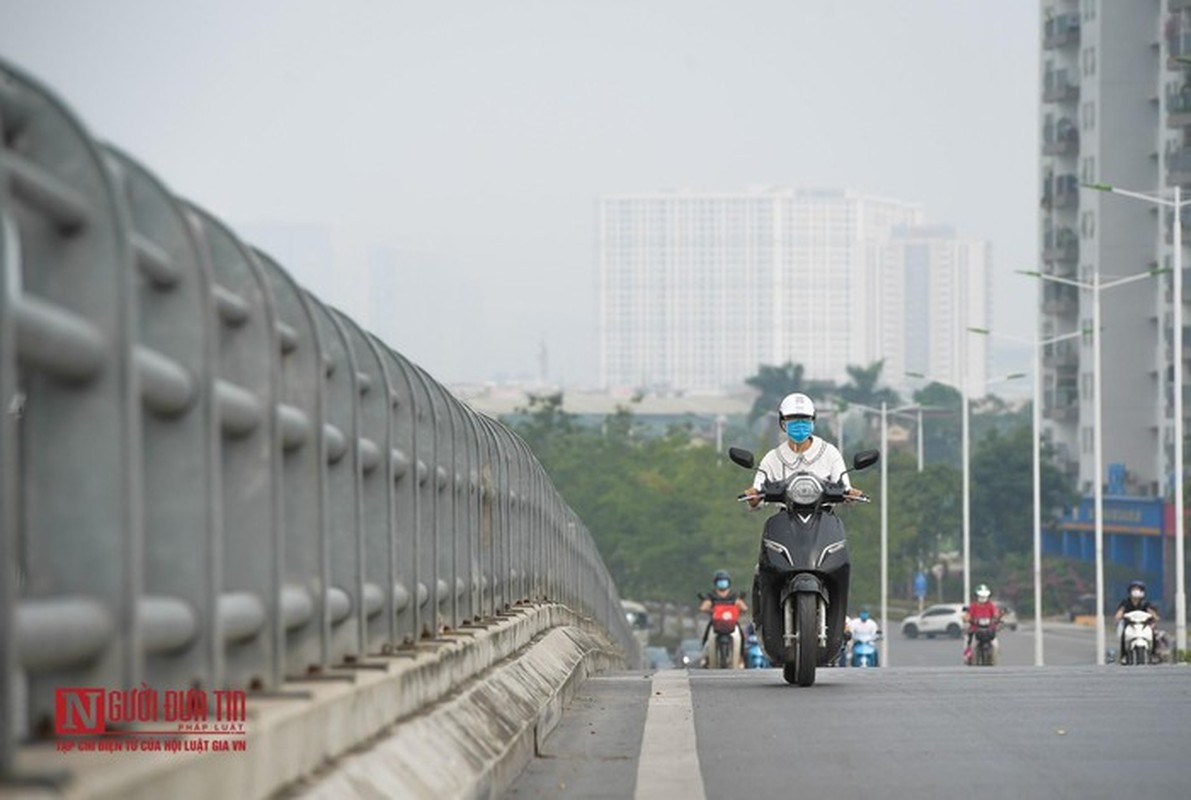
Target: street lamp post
(966, 456)
(1096, 287)
(884, 534)
(884, 412)
(1037, 424)
(1177, 204)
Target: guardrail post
(305, 567)
(403, 545)
(376, 486)
(180, 436)
(344, 546)
(246, 389)
(69, 300)
(443, 472)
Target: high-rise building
(1115, 108)
(936, 286)
(697, 290)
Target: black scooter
(800, 591)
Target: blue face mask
(721, 584)
(800, 429)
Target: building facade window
(1087, 116)
(1088, 57)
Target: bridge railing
(209, 477)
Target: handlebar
(743, 497)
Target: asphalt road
(1063, 644)
(931, 730)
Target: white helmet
(796, 405)
(982, 593)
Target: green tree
(864, 387)
(773, 383)
(1002, 494)
(942, 429)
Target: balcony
(1177, 45)
(1058, 88)
(1178, 107)
(1178, 167)
(1060, 191)
(1179, 5)
(1061, 139)
(1060, 246)
(1060, 31)
(1061, 356)
(1060, 300)
(1068, 412)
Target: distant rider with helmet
(982, 608)
(1135, 601)
(723, 594)
(865, 631)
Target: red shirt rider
(986, 609)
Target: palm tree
(774, 383)
(862, 387)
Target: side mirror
(865, 459)
(742, 457)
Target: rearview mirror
(742, 457)
(865, 459)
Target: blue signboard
(1142, 516)
(1133, 539)
(920, 585)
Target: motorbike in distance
(984, 635)
(864, 650)
(754, 656)
(800, 591)
(725, 624)
(1138, 637)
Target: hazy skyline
(467, 143)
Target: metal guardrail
(210, 478)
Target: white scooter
(1138, 637)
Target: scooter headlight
(804, 490)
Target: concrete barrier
(459, 719)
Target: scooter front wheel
(801, 657)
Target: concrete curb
(460, 719)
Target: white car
(944, 619)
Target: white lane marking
(669, 763)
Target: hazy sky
(471, 139)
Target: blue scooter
(754, 656)
(864, 654)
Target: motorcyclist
(982, 607)
(801, 452)
(865, 630)
(722, 592)
(1135, 600)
